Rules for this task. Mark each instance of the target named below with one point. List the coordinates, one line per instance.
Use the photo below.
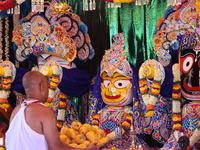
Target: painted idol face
(116, 90)
(189, 66)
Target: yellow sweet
(100, 133)
(77, 132)
(80, 139)
(104, 140)
(63, 130)
(76, 125)
(83, 130)
(91, 136)
(89, 127)
(71, 133)
(64, 139)
(73, 140)
(86, 142)
(81, 146)
(74, 145)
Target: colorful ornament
(7, 74)
(150, 98)
(53, 70)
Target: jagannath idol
(58, 43)
(185, 95)
(114, 92)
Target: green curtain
(136, 21)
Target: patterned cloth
(160, 124)
(112, 118)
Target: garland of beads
(176, 103)
(127, 123)
(150, 99)
(61, 110)
(5, 89)
(96, 120)
(53, 85)
(7, 38)
(1, 39)
(195, 136)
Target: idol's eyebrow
(106, 76)
(118, 76)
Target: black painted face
(189, 66)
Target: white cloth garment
(20, 136)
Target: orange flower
(156, 47)
(148, 130)
(149, 106)
(159, 22)
(173, 35)
(156, 135)
(155, 124)
(156, 41)
(176, 14)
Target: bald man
(32, 124)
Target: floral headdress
(62, 35)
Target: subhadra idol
(118, 85)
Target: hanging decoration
(89, 5)
(153, 70)
(113, 5)
(119, 1)
(16, 18)
(6, 38)
(1, 39)
(37, 5)
(173, 2)
(7, 74)
(176, 96)
(9, 6)
(61, 110)
(53, 70)
(141, 2)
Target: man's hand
(93, 146)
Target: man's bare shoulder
(14, 112)
(40, 110)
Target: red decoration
(5, 5)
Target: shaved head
(35, 83)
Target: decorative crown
(62, 8)
(114, 59)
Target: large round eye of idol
(187, 63)
(116, 90)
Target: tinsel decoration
(17, 9)
(173, 2)
(93, 5)
(86, 5)
(1, 39)
(6, 38)
(37, 5)
(16, 18)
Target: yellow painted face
(116, 90)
